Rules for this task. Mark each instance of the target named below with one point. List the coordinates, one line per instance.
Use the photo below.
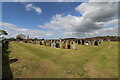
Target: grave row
(66, 44)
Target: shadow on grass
(6, 71)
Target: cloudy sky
(60, 19)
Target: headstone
(48, 43)
(60, 41)
(96, 43)
(100, 41)
(108, 40)
(64, 45)
(82, 42)
(68, 41)
(54, 44)
(91, 43)
(35, 42)
(44, 43)
(87, 43)
(68, 46)
(41, 43)
(57, 45)
(78, 41)
(74, 46)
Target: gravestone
(96, 43)
(79, 42)
(48, 43)
(76, 41)
(44, 43)
(36, 42)
(60, 41)
(99, 42)
(57, 44)
(64, 45)
(91, 43)
(54, 44)
(87, 43)
(41, 43)
(68, 45)
(74, 46)
(83, 42)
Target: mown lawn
(88, 61)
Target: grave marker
(64, 45)
(74, 46)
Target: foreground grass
(36, 61)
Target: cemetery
(42, 39)
(62, 58)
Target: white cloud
(98, 11)
(48, 34)
(106, 31)
(14, 30)
(7, 25)
(30, 7)
(95, 16)
(11, 26)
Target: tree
(35, 38)
(12, 38)
(3, 32)
(22, 36)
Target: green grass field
(36, 61)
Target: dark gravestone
(75, 41)
(68, 46)
(78, 41)
(96, 43)
(83, 42)
(41, 43)
(57, 45)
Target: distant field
(36, 61)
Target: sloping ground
(36, 61)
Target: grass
(88, 61)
